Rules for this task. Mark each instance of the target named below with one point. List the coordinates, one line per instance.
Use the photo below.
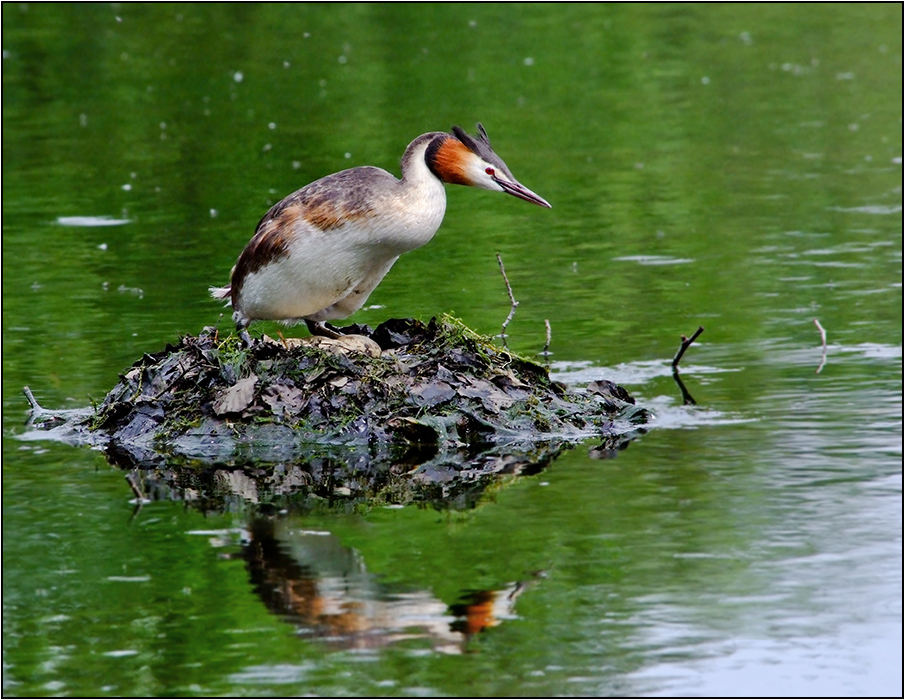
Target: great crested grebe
(319, 253)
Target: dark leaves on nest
(435, 382)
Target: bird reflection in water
(323, 588)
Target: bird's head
(461, 159)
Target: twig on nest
(823, 339)
(686, 343)
(511, 297)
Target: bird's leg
(320, 328)
(243, 334)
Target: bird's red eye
(489, 171)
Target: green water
(736, 166)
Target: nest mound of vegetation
(434, 398)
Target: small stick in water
(31, 399)
(546, 351)
(823, 339)
(511, 297)
(686, 343)
(131, 478)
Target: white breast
(329, 274)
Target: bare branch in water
(131, 479)
(823, 339)
(546, 351)
(686, 343)
(31, 399)
(511, 298)
(687, 398)
(134, 480)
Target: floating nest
(406, 405)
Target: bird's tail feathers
(221, 292)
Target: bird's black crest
(480, 146)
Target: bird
(317, 254)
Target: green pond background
(732, 166)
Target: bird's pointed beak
(522, 192)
